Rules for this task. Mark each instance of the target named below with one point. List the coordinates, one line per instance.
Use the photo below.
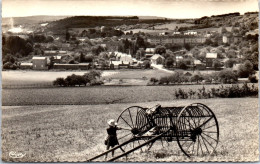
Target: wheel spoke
(209, 132)
(205, 144)
(126, 122)
(131, 117)
(200, 146)
(124, 136)
(189, 146)
(206, 121)
(209, 127)
(210, 137)
(207, 141)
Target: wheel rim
(133, 122)
(197, 130)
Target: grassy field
(76, 132)
(43, 77)
(172, 26)
(93, 95)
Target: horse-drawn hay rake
(194, 127)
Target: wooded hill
(93, 21)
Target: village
(130, 81)
(107, 48)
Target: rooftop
(38, 58)
(212, 55)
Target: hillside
(93, 21)
(30, 19)
(249, 20)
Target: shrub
(227, 76)
(91, 78)
(164, 80)
(59, 82)
(253, 79)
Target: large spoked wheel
(197, 130)
(133, 122)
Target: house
(118, 65)
(39, 63)
(81, 66)
(149, 52)
(50, 53)
(178, 59)
(176, 33)
(187, 74)
(199, 65)
(235, 67)
(126, 59)
(191, 33)
(56, 59)
(226, 39)
(237, 38)
(26, 66)
(209, 59)
(157, 59)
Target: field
(41, 77)
(51, 133)
(23, 79)
(172, 26)
(93, 95)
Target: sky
(162, 8)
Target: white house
(157, 59)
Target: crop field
(172, 26)
(52, 133)
(34, 77)
(41, 77)
(93, 95)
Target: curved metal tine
(190, 114)
(188, 120)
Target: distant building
(226, 39)
(191, 33)
(126, 59)
(149, 52)
(199, 65)
(209, 59)
(157, 59)
(57, 59)
(26, 66)
(39, 63)
(80, 66)
(237, 38)
(178, 59)
(236, 67)
(50, 52)
(119, 64)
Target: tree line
(90, 78)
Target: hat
(112, 122)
